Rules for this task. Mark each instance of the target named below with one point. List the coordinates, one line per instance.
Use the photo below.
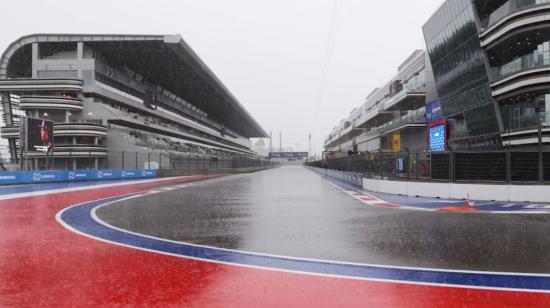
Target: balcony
(74, 151)
(26, 85)
(50, 102)
(406, 99)
(526, 62)
(80, 129)
(414, 117)
(511, 15)
(62, 129)
(524, 129)
(375, 117)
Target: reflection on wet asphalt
(294, 212)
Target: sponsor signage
(437, 138)
(396, 143)
(288, 155)
(433, 111)
(18, 177)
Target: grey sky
(270, 54)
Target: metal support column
(541, 167)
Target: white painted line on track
(354, 192)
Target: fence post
(372, 164)
(409, 164)
(149, 160)
(451, 166)
(541, 170)
(137, 153)
(508, 165)
(381, 165)
(122, 159)
(160, 160)
(170, 161)
(418, 166)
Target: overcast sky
(270, 54)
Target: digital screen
(39, 135)
(437, 138)
(288, 155)
(150, 100)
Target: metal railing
(506, 9)
(528, 61)
(184, 163)
(527, 167)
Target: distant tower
(280, 141)
(270, 142)
(309, 137)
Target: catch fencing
(166, 162)
(525, 167)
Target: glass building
(515, 36)
(461, 78)
(491, 63)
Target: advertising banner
(288, 154)
(19, 177)
(396, 143)
(433, 111)
(39, 135)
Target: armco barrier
(24, 177)
(352, 178)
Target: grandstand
(115, 93)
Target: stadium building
(393, 117)
(109, 94)
(491, 62)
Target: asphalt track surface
(294, 212)
(59, 249)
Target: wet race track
(281, 237)
(294, 212)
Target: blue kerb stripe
(79, 218)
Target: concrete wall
(498, 192)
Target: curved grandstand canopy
(164, 60)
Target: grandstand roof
(164, 60)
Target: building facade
(392, 118)
(490, 61)
(108, 94)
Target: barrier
(487, 192)
(25, 177)
(352, 178)
(497, 192)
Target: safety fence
(348, 177)
(84, 166)
(95, 159)
(495, 166)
